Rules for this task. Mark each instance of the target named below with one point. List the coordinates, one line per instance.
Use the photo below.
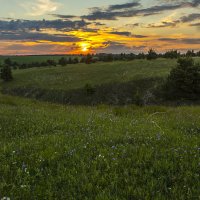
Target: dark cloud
(64, 16)
(14, 25)
(35, 36)
(133, 25)
(168, 39)
(123, 6)
(181, 40)
(128, 34)
(123, 11)
(164, 24)
(140, 36)
(184, 19)
(190, 18)
(124, 33)
(99, 24)
(191, 41)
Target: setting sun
(84, 49)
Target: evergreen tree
(184, 81)
(6, 73)
(62, 61)
(151, 55)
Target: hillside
(118, 82)
(98, 152)
(113, 83)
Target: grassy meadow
(76, 76)
(50, 151)
(101, 152)
(116, 83)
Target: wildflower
(23, 186)
(24, 167)
(5, 198)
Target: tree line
(102, 57)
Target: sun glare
(85, 47)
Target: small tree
(151, 55)
(8, 61)
(190, 53)
(6, 73)
(88, 59)
(51, 63)
(172, 54)
(75, 61)
(62, 61)
(184, 81)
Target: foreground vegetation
(50, 151)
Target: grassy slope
(56, 152)
(76, 76)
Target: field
(49, 151)
(116, 83)
(107, 151)
(76, 76)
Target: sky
(98, 26)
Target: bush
(183, 81)
(89, 89)
(63, 61)
(6, 73)
(151, 55)
(172, 54)
(138, 99)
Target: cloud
(35, 36)
(181, 40)
(113, 47)
(15, 25)
(191, 17)
(185, 19)
(40, 7)
(164, 24)
(133, 25)
(128, 34)
(111, 13)
(64, 16)
(123, 6)
(124, 33)
(34, 49)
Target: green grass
(76, 76)
(49, 151)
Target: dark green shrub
(138, 99)
(151, 55)
(8, 61)
(183, 81)
(63, 61)
(89, 89)
(6, 73)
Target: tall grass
(49, 151)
